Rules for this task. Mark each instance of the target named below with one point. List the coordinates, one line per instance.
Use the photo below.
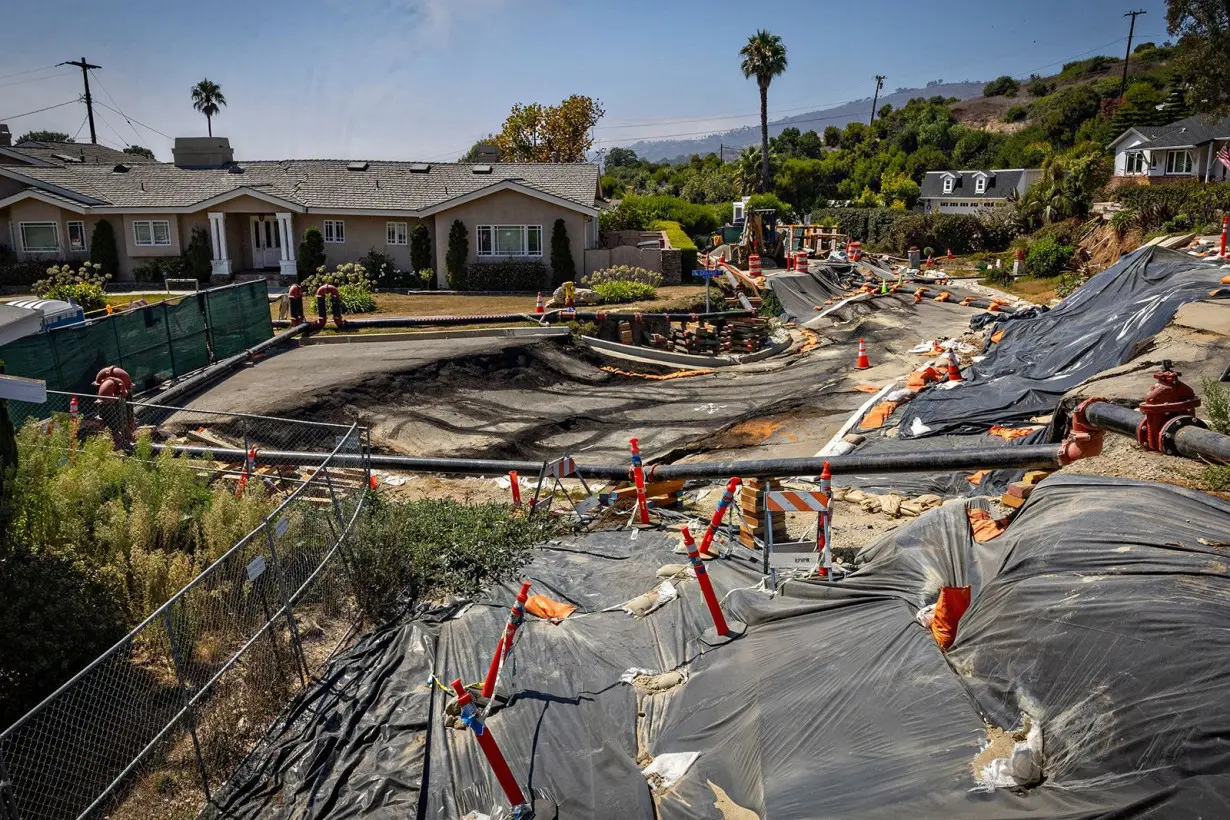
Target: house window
(1179, 162)
(335, 231)
(151, 232)
(395, 233)
(948, 185)
(76, 236)
(509, 240)
(39, 237)
(1134, 163)
(980, 185)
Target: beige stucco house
(256, 212)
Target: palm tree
(764, 57)
(207, 98)
(747, 170)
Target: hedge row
(1156, 204)
(897, 231)
(507, 275)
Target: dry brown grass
(1040, 291)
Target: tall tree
(45, 136)
(207, 98)
(747, 171)
(550, 133)
(140, 151)
(764, 57)
(477, 148)
(1203, 29)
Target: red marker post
(516, 487)
(718, 514)
(722, 632)
(516, 616)
(495, 758)
(1225, 229)
(825, 529)
(638, 475)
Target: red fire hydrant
(1166, 402)
(114, 386)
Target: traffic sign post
(706, 275)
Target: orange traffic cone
(954, 369)
(950, 256)
(863, 362)
(538, 307)
(930, 261)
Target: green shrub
(24, 274)
(759, 202)
(1016, 113)
(198, 256)
(428, 277)
(1039, 87)
(455, 257)
(622, 292)
(1180, 223)
(383, 271)
(159, 269)
(1215, 478)
(353, 283)
(506, 275)
(1068, 283)
(563, 268)
(1217, 406)
(311, 256)
(103, 248)
(420, 247)
(635, 214)
(356, 299)
(83, 285)
(1046, 257)
(626, 216)
(1004, 86)
(1123, 221)
(770, 306)
(1083, 68)
(622, 273)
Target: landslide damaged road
(500, 397)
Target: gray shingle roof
(87, 153)
(1195, 130)
(317, 184)
(1000, 185)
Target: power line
(27, 71)
(137, 121)
(106, 122)
(40, 110)
(37, 79)
(79, 127)
(107, 91)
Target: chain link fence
(154, 726)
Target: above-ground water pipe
(1182, 436)
(511, 318)
(939, 459)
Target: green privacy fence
(153, 343)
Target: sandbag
(952, 603)
(540, 606)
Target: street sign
(794, 555)
(705, 274)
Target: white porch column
(287, 265)
(1208, 164)
(217, 234)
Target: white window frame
(489, 232)
(334, 231)
(1135, 164)
(149, 224)
(948, 185)
(397, 233)
(68, 231)
(1170, 163)
(980, 185)
(55, 229)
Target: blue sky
(422, 79)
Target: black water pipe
(1031, 456)
(219, 369)
(1187, 440)
(598, 315)
(428, 321)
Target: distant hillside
(677, 149)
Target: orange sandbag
(997, 335)
(921, 378)
(876, 417)
(1009, 433)
(1225, 280)
(866, 388)
(977, 477)
(944, 296)
(540, 606)
(984, 526)
(948, 611)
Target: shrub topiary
(420, 247)
(563, 268)
(311, 253)
(506, 275)
(103, 249)
(457, 254)
(198, 256)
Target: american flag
(1223, 156)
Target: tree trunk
(764, 138)
(209, 123)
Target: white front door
(266, 242)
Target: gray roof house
(1186, 150)
(255, 213)
(965, 192)
(59, 154)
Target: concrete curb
(669, 357)
(427, 335)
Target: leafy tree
(420, 247)
(899, 187)
(1039, 87)
(974, 149)
(764, 57)
(103, 248)
(747, 171)
(198, 256)
(563, 267)
(1060, 115)
(1174, 107)
(1203, 29)
(799, 180)
(44, 136)
(620, 157)
(311, 253)
(832, 136)
(1139, 107)
(867, 199)
(1003, 86)
(927, 158)
(1048, 257)
(140, 151)
(475, 150)
(711, 186)
(458, 252)
(208, 99)
(760, 202)
(559, 133)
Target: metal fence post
(191, 712)
(166, 323)
(337, 505)
(290, 615)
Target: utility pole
(1128, 56)
(89, 101)
(880, 78)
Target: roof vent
(420, 168)
(121, 168)
(356, 166)
(234, 169)
(481, 169)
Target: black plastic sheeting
(1100, 326)
(1097, 617)
(801, 293)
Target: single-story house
(1186, 150)
(256, 212)
(968, 192)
